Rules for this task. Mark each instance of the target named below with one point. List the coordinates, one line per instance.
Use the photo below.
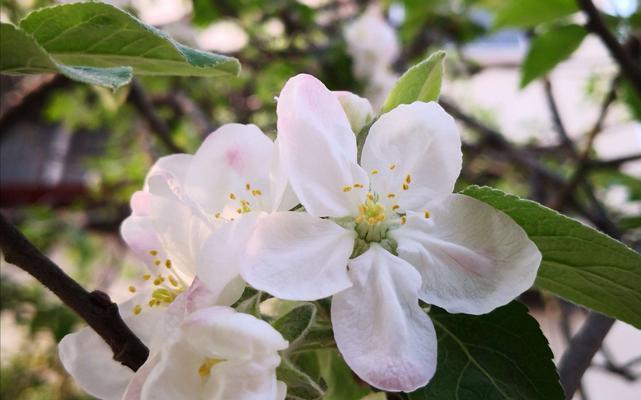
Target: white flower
(382, 235)
(357, 109)
(87, 357)
(371, 42)
(162, 12)
(218, 354)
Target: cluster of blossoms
(378, 235)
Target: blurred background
(71, 155)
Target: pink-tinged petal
(220, 259)
(472, 257)
(318, 148)
(358, 109)
(296, 256)
(383, 334)
(134, 390)
(242, 380)
(232, 157)
(175, 376)
(167, 176)
(417, 145)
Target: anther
(392, 166)
(358, 185)
(248, 186)
(173, 281)
(256, 192)
(391, 195)
(132, 289)
(146, 277)
(168, 263)
(406, 186)
(347, 188)
(370, 196)
(157, 263)
(137, 309)
(153, 252)
(395, 207)
(159, 279)
(403, 220)
(374, 172)
(232, 196)
(217, 215)
(426, 214)
(408, 179)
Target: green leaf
(500, 355)
(549, 49)
(422, 82)
(100, 35)
(296, 323)
(300, 386)
(340, 379)
(21, 54)
(525, 13)
(579, 263)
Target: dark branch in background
(630, 67)
(584, 345)
(96, 308)
(556, 115)
(158, 127)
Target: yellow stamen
(151, 303)
(395, 207)
(217, 215)
(370, 196)
(358, 185)
(232, 196)
(406, 186)
(256, 192)
(132, 289)
(168, 263)
(146, 277)
(173, 281)
(157, 262)
(137, 309)
(347, 188)
(239, 210)
(154, 253)
(392, 166)
(159, 279)
(403, 220)
(205, 368)
(391, 195)
(374, 172)
(408, 179)
(248, 186)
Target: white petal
(87, 358)
(283, 197)
(318, 148)
(172, 229)
(230, 158)
(358, 109)
(221, 332)
(295, 256)
(172, 170)
(219, 261)
(472, 257)
(176, 375)
(420, 140)
(242, 380)
(134, 390)
(383, 334)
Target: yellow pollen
(248, 186)
(154, 253)
(403, 220)
(239, 210)
(157, 262)
(168, 263)
(392, 166)
(232, 196)
(405, 186)
(173, 281)
(132, 289)
(370, 196)
(391, 195)
(205, 368)
(408, 179)
(137, 309)
(146, 277)
(151, 303)
(371, 212)
(217, 215)
(374, 172)
(358, 185)
(256, 192)
(426, 214)
(347, 188)
(395, 207)
(164, 295)
(159, 279)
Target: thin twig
(630, 68)
(556, 115)
(158, 127)
(96, 308)
(582, 348)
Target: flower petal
(383, 334)
(242, 380)
(318, 148)
(176, 374)
(358, 109)
(231, 157)
(296, 256)
(472, 257)
(87, 358)
(167, 176)
(419, 141)
(221, 255)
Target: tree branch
(96, 308)
(143, 104)
(630, 68)
(582, 348)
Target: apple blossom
(381, 235)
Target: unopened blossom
(381, 235)
(357, 109)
